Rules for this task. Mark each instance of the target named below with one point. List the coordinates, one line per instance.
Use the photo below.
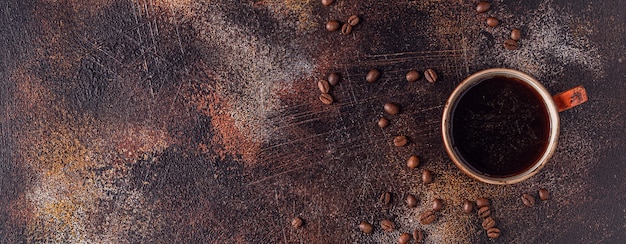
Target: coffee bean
(484, 212)
(427, 217)
(510, 44)
(296, 222)
(326, 98)
(411, 201)
(544, 194)
(365, 227)
(430, 75)
(468, 206)
(391, 108)
(516, 34)
(493, 22)
(483, 6)
(413, 162)
(493, 233)
(385, 198)
(418, 236)
(528, 200)
(404, 238)
(333, 79)
(437, 204)
(412, 76)
(400, 141)
(327, 2)
(353, 20)
(372, 75)
(323, 86)
(427, 176)
(387, 225)
(489, 223)
(332, 25)
(481, 202)
(383, 122)
(346, 29)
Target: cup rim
(467, 83)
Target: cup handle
(570, 98)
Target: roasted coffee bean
(353, 20)
(365, 227)
(412, 76)
(411, 201)
(544, 194)
(404, 238)
(323, 86)
(468, 206)
(385, 198)
(481, 202)
(483, 6)
(493, 233)
(346, 29)
(418, 236)
(383, 122)
(528, 200)
(489, 223)
(510, 44)
(332, 25)
(516, 34)
(430, 75)
(296, 222)
(372, 75)
(326, 98)
(333, 79)
(427, 217)
(387, 225)
(391, 108)
(400, 141)
(327, 2)
(484, 212)
(493, 22)
(427, 176)
(437, 204)
(413, 162)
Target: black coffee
(500, 126)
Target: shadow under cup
(500, 126)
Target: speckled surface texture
(179, 121)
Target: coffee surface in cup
(500, 126)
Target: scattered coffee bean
(326, 98)
(333, 79)
(400, 141)
(427, 217)
(391, 108)
(413, 162)
(365, 227)
(528, 200)
(412, 76)
(323, 86)
(468, 206)
(484, 212)
(516, 34)
(493, 22)
(510, 44)
(493, 233)
(332, 25)
(387, 225)
(353, 20)
(489, 223)
(383, 122)
(385, 198)
(430, 75)
(372, 75)
(427, 177)
(418, 236)
(327, 2)
(404, 238)
(346, 29)
(544, 194)
(483, 6)
(296, 222)
(481, 202)
(437, 204)
(411, 201)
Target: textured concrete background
(199, 121)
